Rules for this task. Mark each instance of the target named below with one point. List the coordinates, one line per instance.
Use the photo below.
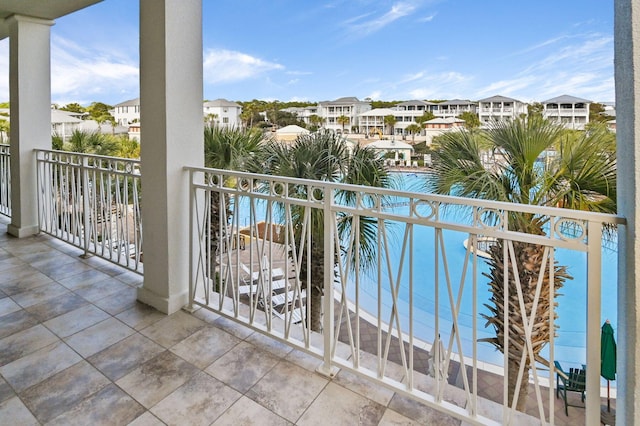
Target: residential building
(350, 107)
(127, 112)
(372, 121)
(570, 111)
(303, 113)
(453, 108)
(222, 112)
(500, 108)
(438, 126)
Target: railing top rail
(83, 155)
(443, 199)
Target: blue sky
(314, 50)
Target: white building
(222, 112)
(372, 121)
(127, 112)
(500, 108)
(571, 112)
(303, 113)
(350, 107)
(453, 108)
(438, 126)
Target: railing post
(329, 266)
(594, 303)
(86, 217)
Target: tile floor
(76, 348)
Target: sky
(319, 50)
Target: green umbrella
(607, 356)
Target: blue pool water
(571, 322)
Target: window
(225, 120)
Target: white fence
(92, 202)
(5, 180)
(420, 283)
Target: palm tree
(343, 120)
(229, 149)
(413, 129)
(324, 156)
(583, 176)
(390, 121)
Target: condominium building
(571, 112)
(350, 107)
(303, 113)
(500, 108)
(127, 112)
(453, 108)
(222, 112)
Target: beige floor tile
(147, 419)
(121, 358)
(40, 294)
(59, 305)
(61, 392)
(270, 345)
(83, 278)
(25, 342)
(98, 337)
(10, 262)
(205, 346)
(76, 320)
(287, 390)
(5, 390)
(242, 366)
(110, 406)
(15, 322)
(18, 414)
(101, 289)
(37, 366)
(8, 306)
(22, 278)
(152, 381)
(420, 412)
(233, 327)
(119, 302)
(173, 329)
(391, 418)
(200, 401)
(346, 407)
(140, 316)
(364, 387)
(246, 412)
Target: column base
(163, 304)
(24, 231)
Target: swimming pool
(570, 343)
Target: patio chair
(575, 381)
(276, 273)
(253, 288)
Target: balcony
(60, 301)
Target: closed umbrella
(607, 357)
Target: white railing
(422, 284)
(92, 202)
(5, 180)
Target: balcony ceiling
(43, 9)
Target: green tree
(316, 121)
(324, 156)
(583, 176)
(428, 115)
(471, 120)
(597, 113)
(343, 120)
(98, 110)
(228, 149)
(390, 122)
(535, 110)
(413, 129)
(73, 107)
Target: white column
(627, 77)
(30, 100)
(171, 123)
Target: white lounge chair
(276, 273)
(253, 288)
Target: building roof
(348, 100)
(58, 116)
(131, 102)
(379, 112)
(498, 98)
(566, 99)
(457, 102)
(390, 145)
(292, 129)
(415, 102)
(221, 103)
(449, 120)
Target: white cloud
(375, 95)
(427, 18)
(223, 66)
(397, 11)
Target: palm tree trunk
(316, 286)
(513, 369)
